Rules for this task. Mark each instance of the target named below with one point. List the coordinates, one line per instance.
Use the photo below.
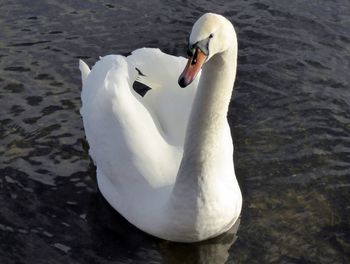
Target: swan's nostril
(194, 58)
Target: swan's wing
(157, 69)
(169, 104)
(124, 141)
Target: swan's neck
(209, 111)
(207, 127)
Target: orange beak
(192, 68)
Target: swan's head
(211, 34)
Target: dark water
(290, 119)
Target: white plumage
(164, 161)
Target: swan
(165, 160)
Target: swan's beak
(192, 68)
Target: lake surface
(290, 120)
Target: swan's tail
(85, 70)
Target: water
(290, 119)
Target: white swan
(164, 161)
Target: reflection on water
(124, 242)
(211, 251)
(290, 117)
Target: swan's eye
(211, 35)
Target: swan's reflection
(212, 251)
(113, 237)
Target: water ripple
(290, 116)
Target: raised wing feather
(169, 104)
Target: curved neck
(208, 120)
(209, 111)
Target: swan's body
(164, 161)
